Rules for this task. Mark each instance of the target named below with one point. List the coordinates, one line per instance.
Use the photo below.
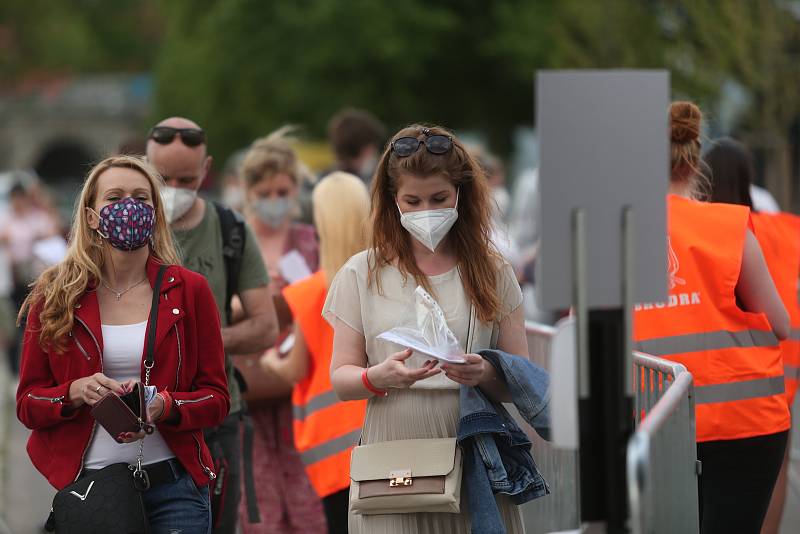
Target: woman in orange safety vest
(325, 429)
(722, 320)
(731, 173)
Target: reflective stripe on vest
(329, 448)
(736, 391)
(320, 402)
(721, 339)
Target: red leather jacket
(189, 363)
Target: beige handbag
(408, 476)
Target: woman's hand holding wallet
(120, 415)
(90, 389)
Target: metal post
(605, 385)
(579, 292)
(628, 272)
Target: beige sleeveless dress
(429, 409)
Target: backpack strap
(233, 239)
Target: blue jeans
(178, 507)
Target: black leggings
(336, 505)
(736, 482)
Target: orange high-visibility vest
(733, 355)
(325, 428)
(779, 237)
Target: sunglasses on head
(163, 135)
(434, 143)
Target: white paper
(417, 344)
(430, 335)
(149, 394)
(293, 267)
(287, 345)
(6, 279)
(50, 251)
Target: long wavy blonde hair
(341, 214)
(58, 289)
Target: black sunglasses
(163, 135)
(436, 144)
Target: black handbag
(110, 500)
(102, 502)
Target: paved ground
(25, 496)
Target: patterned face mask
(127, 224)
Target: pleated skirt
(419, 414)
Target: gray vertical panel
(603, 145)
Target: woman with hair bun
(723, 320)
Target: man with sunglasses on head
(177, 148)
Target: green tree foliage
(258, 64)
(53, 38)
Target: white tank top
(122, 360)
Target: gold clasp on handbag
(400, 478)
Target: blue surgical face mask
(273, 212)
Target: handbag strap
(140, 478)
(470, 329)
(149, 356)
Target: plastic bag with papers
(430, 336)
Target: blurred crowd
(32, 237)
(271, 189)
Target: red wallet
(126, 413)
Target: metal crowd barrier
(662, 479)
(559, 510)
(662, 454)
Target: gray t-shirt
(201, 251)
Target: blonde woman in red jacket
(85, 336)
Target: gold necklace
(119, 294)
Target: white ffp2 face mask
(177, 201)
(429, 227)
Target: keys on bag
(141, 480)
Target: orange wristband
(370, 387)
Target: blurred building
(58, 127)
